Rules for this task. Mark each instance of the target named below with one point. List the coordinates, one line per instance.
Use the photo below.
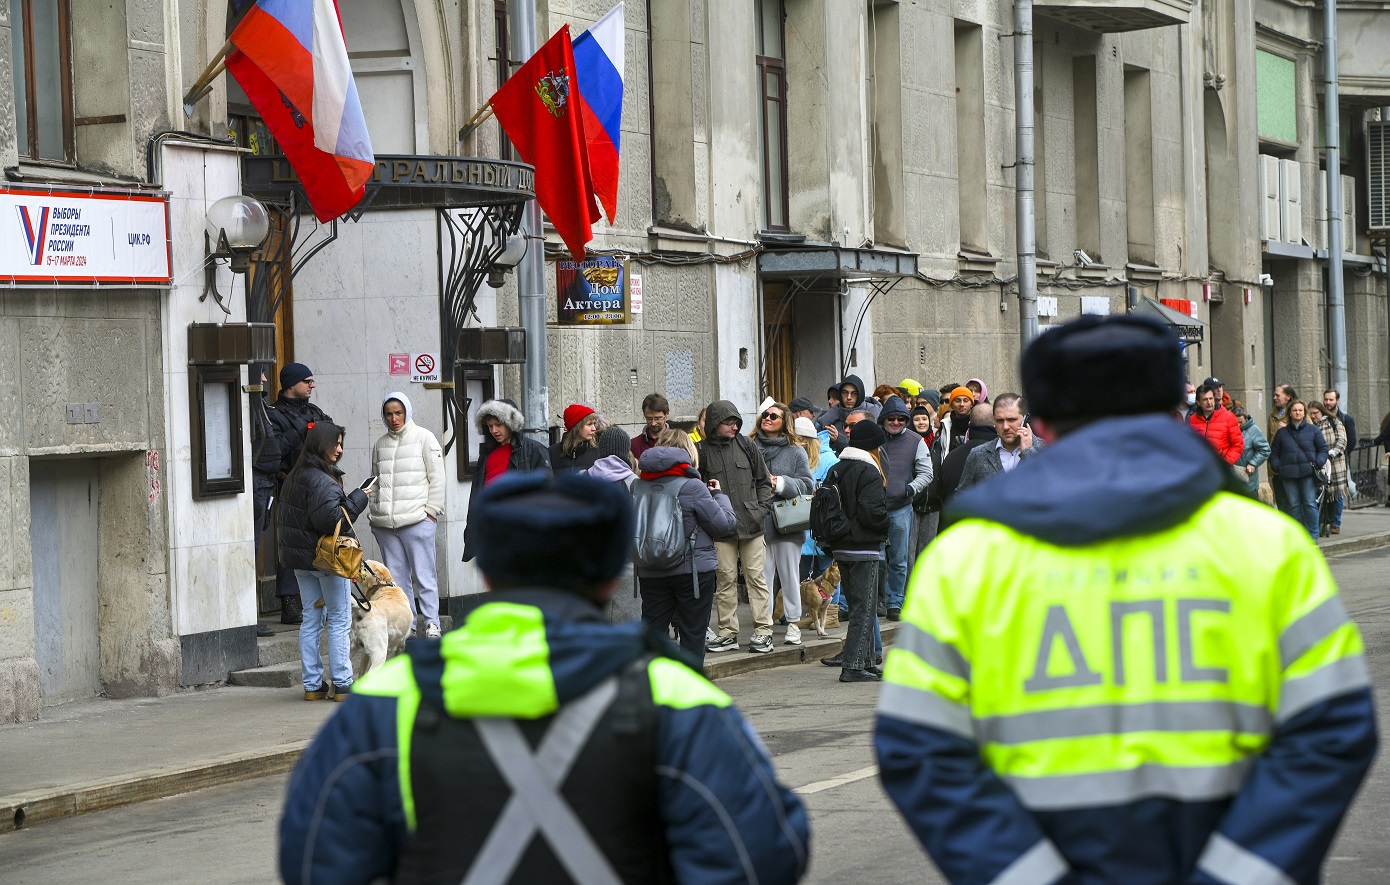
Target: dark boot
(291, 610)
(263, 631)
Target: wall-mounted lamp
(236, 227)
(511, 256)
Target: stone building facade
(809, 188)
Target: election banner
(74, 238)
(593, 292)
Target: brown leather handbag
(338, 554)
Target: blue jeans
(1340, 505)
(899, 553)
(1303, 505)
(333, 590)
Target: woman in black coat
(312, 505)
(1297, 452)
(860, 481)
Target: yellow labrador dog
(815, 600)
(381, 618)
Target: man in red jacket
(1218, 425)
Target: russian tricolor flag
(598, 63)
(292, 61)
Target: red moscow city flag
(538, 108)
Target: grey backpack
(660, 539)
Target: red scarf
(678, 470)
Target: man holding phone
(408, 471)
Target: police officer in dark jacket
(291, 416)
(536, 742)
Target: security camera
(1083, 259)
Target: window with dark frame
(42, 53)
(214, 394)
(473, 385)
(772, 113)
(504, 69)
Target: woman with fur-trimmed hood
(502, 448)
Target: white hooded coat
(410, 464)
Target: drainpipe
(1023, 173)
(530, 273)
(1336, 297)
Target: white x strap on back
(536, 804)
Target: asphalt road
(816, 728)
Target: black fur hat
(1096, 366)
(571, 532)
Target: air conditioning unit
(1290, 202)
(1269, 197)
(1348, 212)
(1378, 173)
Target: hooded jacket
(699, 801)
(612, 468)
(740, 469)
(839, 414)
(527, 453)
(311, 506)
(909, 460)
(950, 432)
(710, 513)
(409, 465)
(1099, 767)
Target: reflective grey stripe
(1066, 791)
(536, 803)
(1225, 860)
(1042, 725)
(1042, 864)
(1338, 677)
(1309, 630)
(925, 708)
(936, 653)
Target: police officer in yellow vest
(1113, 670)
(536, 742)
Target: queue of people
(570, 749)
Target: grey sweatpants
(409, 551)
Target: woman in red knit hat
(576, 449)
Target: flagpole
(480, 116)
(203, 85)
(530, 274)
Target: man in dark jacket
(291, 416)
(537, 743)
(909, 469)
(1114, 670)
(852, 397)
(955, 425)
(503, 449)
(731, 459)
(1012, 443)
(265, 476)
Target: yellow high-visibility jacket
(1181, 702)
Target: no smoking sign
(424, 367)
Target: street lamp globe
(242, 220)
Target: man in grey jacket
(732, 460)
(1014, 443)
(909, 471)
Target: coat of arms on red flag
(554, 90)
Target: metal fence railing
(1366, 468)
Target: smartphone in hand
(368, 483)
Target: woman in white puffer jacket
(409, 497)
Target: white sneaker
(431, 631)
(793, 635)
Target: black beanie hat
(293, 373)
(866, 435)
(584, 527)
(1097, 366)
(614, 441)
